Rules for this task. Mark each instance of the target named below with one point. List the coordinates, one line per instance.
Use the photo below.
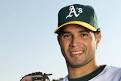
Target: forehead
(73, 27)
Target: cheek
(64, 47)
(91, 46)
(90, 53)
(64, 44)
(92, 49)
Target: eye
(66, 36)
(84, 34)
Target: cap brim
(84, 24)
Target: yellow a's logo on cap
(74, 11)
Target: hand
(27, 78)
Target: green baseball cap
(83, 15)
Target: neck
(83, 70)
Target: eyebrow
(81, 31)
(64, 32)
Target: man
(78, 37)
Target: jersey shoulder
(110, 73)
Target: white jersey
(109, 73)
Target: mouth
(77, 53)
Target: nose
(75, 41)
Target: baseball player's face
(78, 45)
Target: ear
(98, 37)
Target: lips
(77, 53)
